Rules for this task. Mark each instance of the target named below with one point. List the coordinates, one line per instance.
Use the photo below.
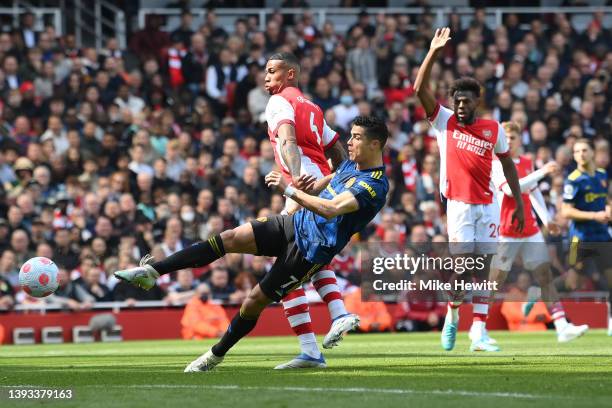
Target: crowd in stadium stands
(109, 154)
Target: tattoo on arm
(289, 149)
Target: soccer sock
(238, 328)
(480, 301)
(327, 286)
(195, 256)
(557, 312)
(298, 315)
(452, 312)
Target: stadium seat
(52, 335)
(82, 334)
(24, 335)
(114, 334)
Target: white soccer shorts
(532, 250)
(472, 228)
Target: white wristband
(289, 191)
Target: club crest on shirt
(487, 133)
(349, 183)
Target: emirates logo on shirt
(471, 143)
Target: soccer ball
(38, 277)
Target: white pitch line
(398, 391)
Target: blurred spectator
(180, 292)
(221, 289)
(373, 314)
(572, 281)
(7, 295)
(512, 309)
(361, 65)
(90, 282)
(69, 293)
(8, 267)
(201, 318)
(420, 310)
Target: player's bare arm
(343, 203)
(530, 181)
(336, 154)
(511, 175)
(289, 150)
(421, 84)
(570, 212)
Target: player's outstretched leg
(197, 255)
(327, 286)
(298, 315)
(243, 322)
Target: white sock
(610, 326)
(560, 324)
(478, 327)
(308, 345)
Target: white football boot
(339, 327)
(205, 362)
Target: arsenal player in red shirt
(467, 145)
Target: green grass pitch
(385, 370)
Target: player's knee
(229, 239)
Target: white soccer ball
(38, 277)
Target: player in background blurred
(585, 204)
(528, 244)
(303, 143)
(467, 145)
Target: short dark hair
(288, 58)
(375, 128)
(466, 84)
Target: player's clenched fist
(440, 39)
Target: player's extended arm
(289, 149)
(336, 153)
(531, 180)
(343, 203)
(513, 181)
(569, 211)
(421, 84)
(539, 205)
